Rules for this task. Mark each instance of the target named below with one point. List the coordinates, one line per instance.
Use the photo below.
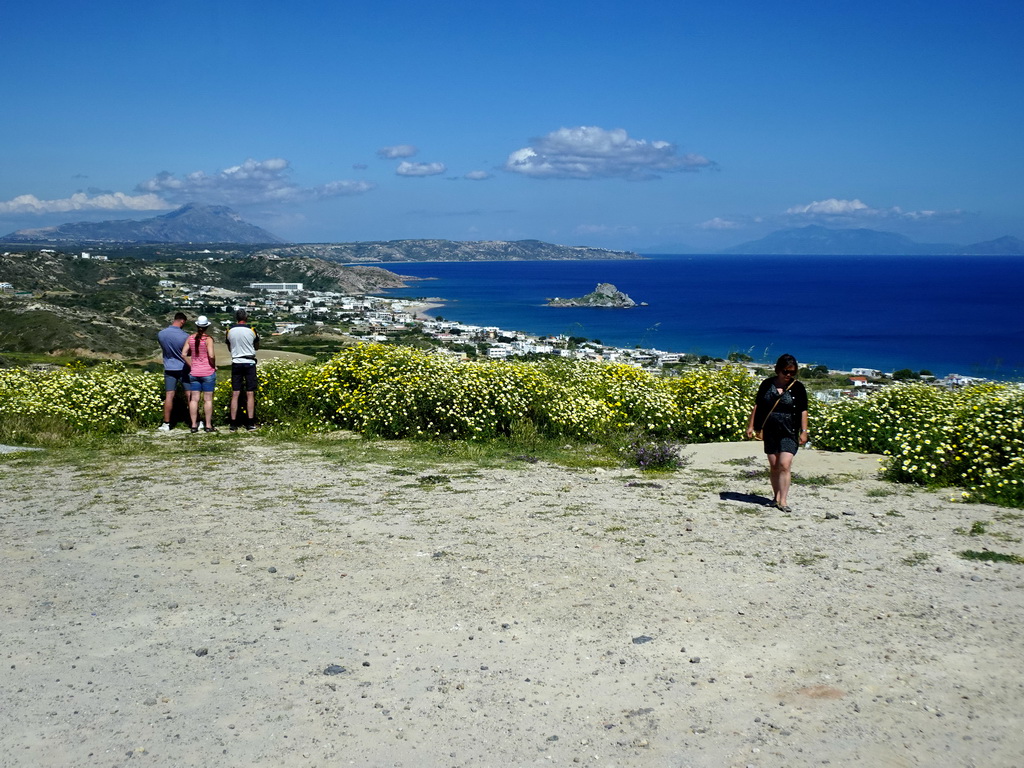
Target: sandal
(784, 508)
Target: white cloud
(590, 152)
(252, 182)
(837, 211)
(80, 201)
(720, 223)
(477, 175)
(405, 168)
(397, 151)
(830, 207)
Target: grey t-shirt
(172, 339)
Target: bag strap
(777, 401)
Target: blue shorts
(173, 378)
(203, 383)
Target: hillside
(447, 250)
(113, 308)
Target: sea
(942, 314)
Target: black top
(790, 405)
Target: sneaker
(233, 428)
(193, 430)
(211, 429)
(250, 427)
(165, 427)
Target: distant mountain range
(209, 224)
(821, 241)
(191, 223)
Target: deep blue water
(947, 314)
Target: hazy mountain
(1003, 246)
(191, 223)
(816, 240)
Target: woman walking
(203, 378)
(780, 413)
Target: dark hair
(241, 315)
(200, 333)
(180, 316)
(784, 362)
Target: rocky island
(605, 295)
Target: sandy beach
(306, 611)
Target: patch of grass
(799, 479)
(1003, 536)
(916, 559)
(808, 559)
(878, 493)
(991, 557)
(978, 528)
(745, 461)
(749, 510)
(428, 481)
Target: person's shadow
(745, 498)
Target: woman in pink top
(203, 377)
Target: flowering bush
(104, 399)
(714, 405)
(972, 438)
(647, 452)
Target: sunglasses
(789, 372)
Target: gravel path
(306, 612)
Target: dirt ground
(275, 607)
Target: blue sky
(643, 125)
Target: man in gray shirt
(243, 341)
(172, 339)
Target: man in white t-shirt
(243, 341)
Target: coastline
(692, 312)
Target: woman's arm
(804, 436)
(210, 352)
(750, 422)
(185, 351)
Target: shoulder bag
(758, 434)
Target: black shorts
(243, 376)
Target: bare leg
(208, 407)
(168, 405)
(234, 406)
(193, 409)
(250, 406)
(781, 465)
